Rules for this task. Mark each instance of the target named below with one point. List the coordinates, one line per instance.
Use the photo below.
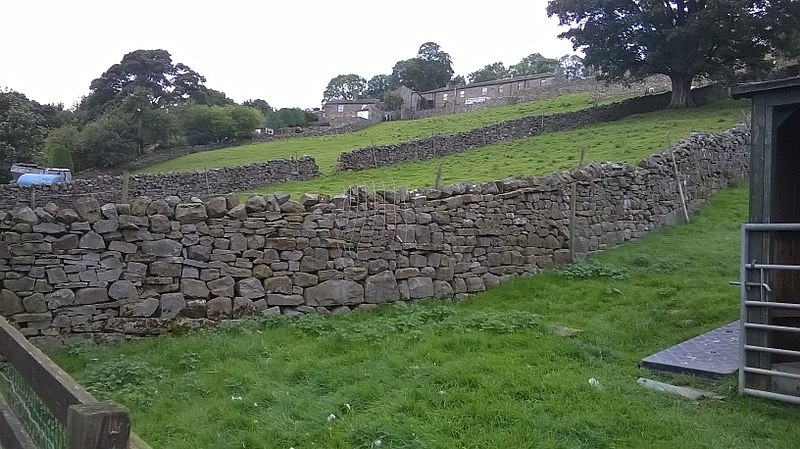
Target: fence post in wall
(125, 183)
(573, 200)
(33, 197)
(102, 425)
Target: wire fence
(44, 428)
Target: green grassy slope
(482, 374)
(630, 139)
(326, 149)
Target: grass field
(630, 139)
(327, 148)
(492, 372)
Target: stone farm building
(338, 112)
(475, 93)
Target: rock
(216, 207)
(35, 303)
(250, 288)
(292, 207)
(123, 290)
(355, 273)
(309, 199)
(284, 300)
(92, 240)
(22, 284)
(165, 269)
(301, 279)
(335, 292)
(239, 211)
(105, 226)
(405, 273)
(312, 264)
(262, 271)
(56, 275)
(281, 197)
(474, 284)
(68, 216)
(160, 223)
(60, 298)
(381, 288)
(255, 203)
(340, 310)
(24, 214)
(172, 304)
(10, 303)
(442, 290)
(139, 206)
(50, 228)
(160, 207)
(109, 211)
(219, 308)
(278, 284)
(162, 248)
(65, 242)
(420, 287)
(490, 280)
(88, 208)
(272, 311)
(242, 307)
(194, 288)
(144, 308)
(222, 287)
(123, 247)
(190, 212)
(231, 200)
(91, 295)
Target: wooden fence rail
(89, 423)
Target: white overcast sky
(283, 52)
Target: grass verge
(326, 149)
(627, 140)
(494, 372)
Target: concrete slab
(714, 354)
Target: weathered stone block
(35, 303)
(92, 240)
(242, 307)
(312, 264)
(420, 287)
(442, 290)
(91, 295)
(380, 288)
(284, 300)
(22, 284)
(144, 308)
(162, 248)
(88, 208)
(172, 304)
(123, 290)
(222, 286)
(219, 308)
(250, 288)
(190, 212)
(10, 303)
(194, 288)
(335, 292)
(278, 284)
(301, 279)
(60, 298)
(56, 275)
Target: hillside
(326, 149)
(627, 140)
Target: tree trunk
(681, 91)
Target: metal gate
(769, 364)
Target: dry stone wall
(115, 271)
(109, 189)
(438, 146)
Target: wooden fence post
(103, 425)
(125, 183)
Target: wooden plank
(12, 434)
(104, 425)
(751, 89)
(52, 384)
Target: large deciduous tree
(345, 87)
(379, 85)
(22, 131)
(489, 72)
(683, 39)
(431, 69)
(168, 83)
(533, 64)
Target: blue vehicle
(48, 177)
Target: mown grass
(627, 140)
(487, 373)
(326, 149)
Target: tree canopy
(533, 64)
(345, 87)
(431, 69)
(168, 83)
(683, 39)
(490, 72)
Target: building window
(500, 89)
(461, 94)
(521, 85)
(340, 108)
(484, 91)
(444, 97)
(543, 82)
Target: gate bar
(779, 305)
(772, 350)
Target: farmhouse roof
(747, 90)
(493, 82)
(359, 101)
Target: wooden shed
(770, 252)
